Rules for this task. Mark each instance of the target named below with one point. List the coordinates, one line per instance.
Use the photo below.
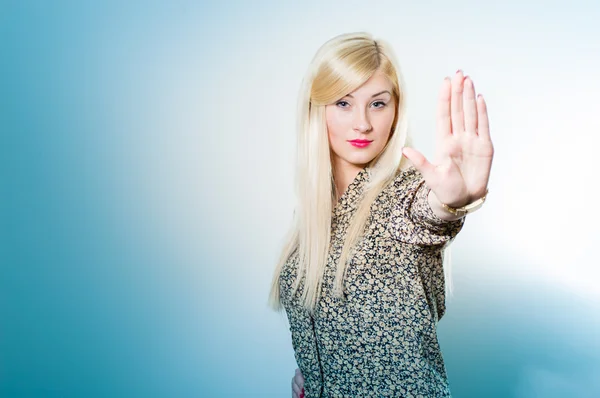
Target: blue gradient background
(145, 187)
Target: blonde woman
(361, 277)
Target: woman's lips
(360, 143)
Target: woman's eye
(342, 104)
(378, 104)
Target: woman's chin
(360, 161)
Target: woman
(361, 276)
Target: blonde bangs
(343, 74)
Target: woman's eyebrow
(374, 95)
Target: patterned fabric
(380, 341)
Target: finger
(483, 126)
(296, 386)
(470, 107)
(296, 389)
(444, 126)
(299, 378)
(420, 163)
(456, 104)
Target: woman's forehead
(376, 85)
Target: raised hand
(463, 149)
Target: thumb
(420, 163)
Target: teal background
(145, 186)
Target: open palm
(463, 148)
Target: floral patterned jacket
(381, 340)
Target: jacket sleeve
(304, 340)
(412, 219)
(305, 350)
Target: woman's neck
(343, 175)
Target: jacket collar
(351, 197)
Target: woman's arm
(305, 350)
(413, 219)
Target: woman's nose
(361, 122)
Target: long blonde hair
(339, 67)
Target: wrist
(471, 206)
(440, 209)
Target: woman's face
(359, 124)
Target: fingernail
(458, 71)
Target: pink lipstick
(360, 143)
